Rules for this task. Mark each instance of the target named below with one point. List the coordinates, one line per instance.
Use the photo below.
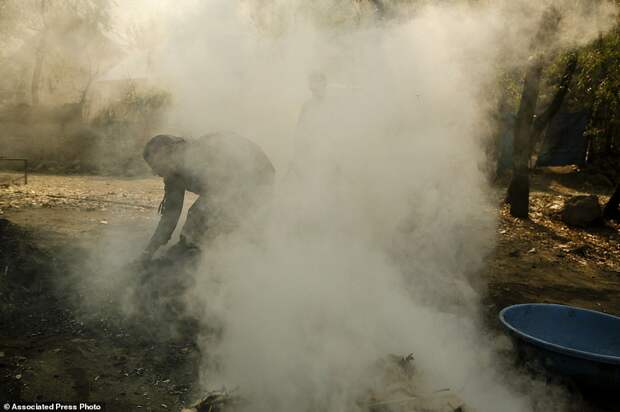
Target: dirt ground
(48, 351)
(544, 260)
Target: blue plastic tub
(579, 343)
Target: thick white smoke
(382, 211)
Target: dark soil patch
(50, 351)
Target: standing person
(232, 176)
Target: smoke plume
(382, 215)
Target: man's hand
(146, 256)
(148, 253)
(143, 260)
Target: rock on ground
(581, 211)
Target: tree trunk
(519, 189)
(36, 72)
(545, 118)
(84, 95)
(35, 82)
(527, 132)
(611, 210)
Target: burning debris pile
(216, 401)
(398, 387)
(160, 307)
(401, 387)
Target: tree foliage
(52, 46)
(597, 88)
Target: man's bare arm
(171, 208)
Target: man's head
(317, 83)
(161, 153)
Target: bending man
(232, 176)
